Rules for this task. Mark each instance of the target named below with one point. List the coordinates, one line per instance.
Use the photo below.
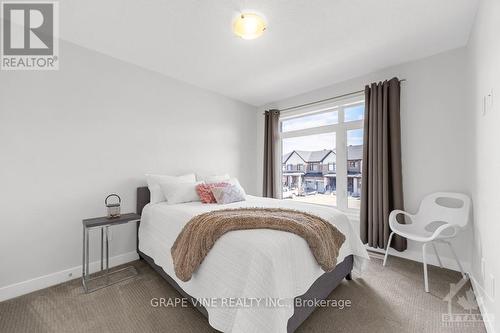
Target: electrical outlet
(487, 102)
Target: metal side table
(103, 223)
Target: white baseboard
(417, 256)
(21, 288)
(483, 300)
(485, 304)
(28, 286)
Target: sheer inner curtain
(382, 181)
(271, 153)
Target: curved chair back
(453, 208)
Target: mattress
(246, 265)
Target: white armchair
(440, 217)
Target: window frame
(340, 129)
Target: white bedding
(249, 264)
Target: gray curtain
(271, 158)
(382, 181)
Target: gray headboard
(143, 198)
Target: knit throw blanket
(200, 234)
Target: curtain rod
(326, 99)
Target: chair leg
(437, 255)
(424, 260)
(456, 259)
(388, 246)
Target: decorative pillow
(154, 182)
(205, 191)
(235, 182)
(178, 192)
(228, 194)
(216, 179)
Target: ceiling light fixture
(249, 26)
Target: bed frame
(320, 289)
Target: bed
(273, 271)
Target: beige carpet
(389, 299)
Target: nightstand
(105, 276)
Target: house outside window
(325, 143)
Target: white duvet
(246, 264)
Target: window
(311, 121)
(354, 112)
(313, 167)
(354, 159)
(325, 145)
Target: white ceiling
(309, 43)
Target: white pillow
(155, 180)
(235, 182)
(216, 179)
(228, 194)
(178, 192)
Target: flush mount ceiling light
(249, 26)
